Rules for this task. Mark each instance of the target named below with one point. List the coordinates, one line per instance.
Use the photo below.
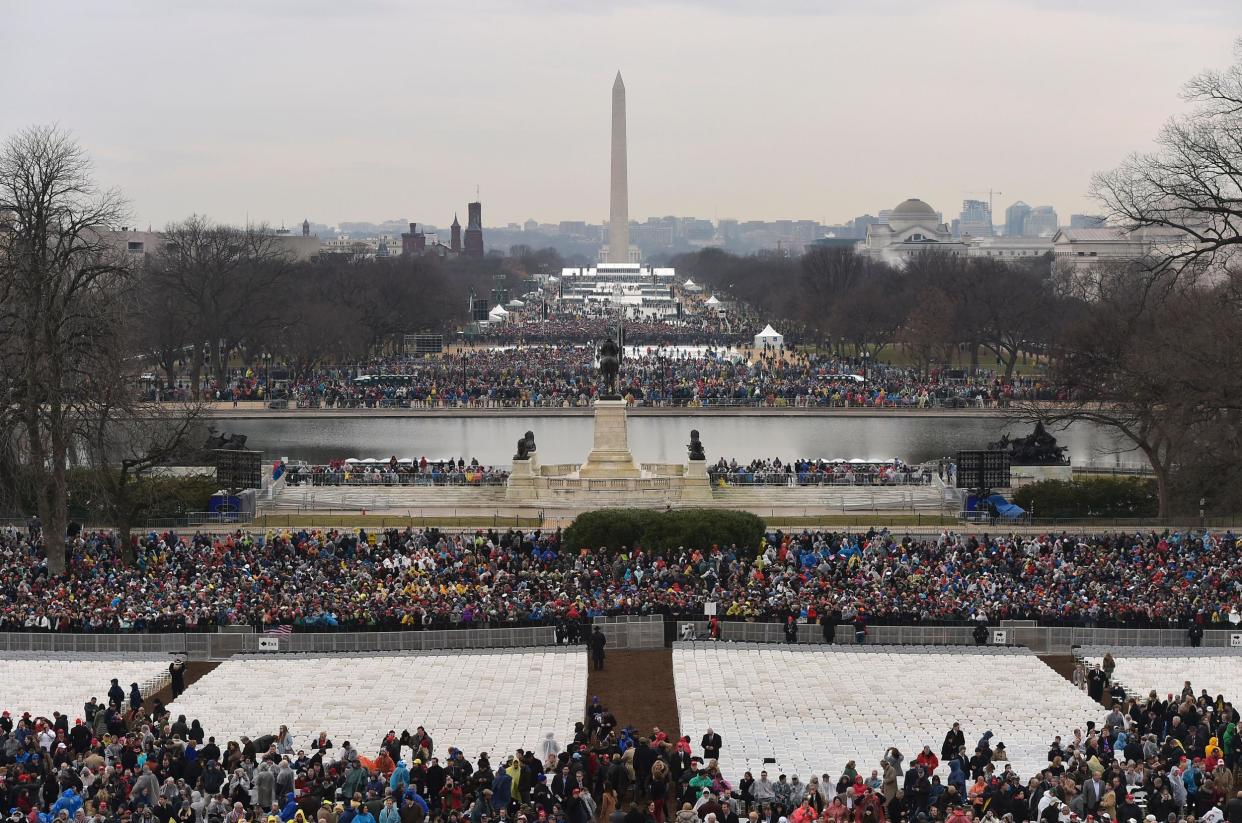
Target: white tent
(712, 301)
(690, 285)
(769, 337)
(498, 314)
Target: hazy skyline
(372, 110)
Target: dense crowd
(807, 472)
(428, 579)
(1148, 759)
(576, 326)
(564, 375)
(396, 472)
(561, 376)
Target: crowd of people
(577, 326)
(395, 472)
(1152, 759)
(807, 472)
(409, 579)
(565, 375)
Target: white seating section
(477, 701)
(814, 709)
(46, 682)
(1166, 669)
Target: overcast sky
(370, 109)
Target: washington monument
(619, 214)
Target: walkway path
(637, 686)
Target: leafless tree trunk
(59, 275)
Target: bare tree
(223, 278)
(59, 279)
(1162, 375)
(1191, 186)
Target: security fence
(622, 631)
(222, 645)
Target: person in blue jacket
(412, 794)
(290, 809)
(502, 790)
(68, 801)
(400, 777)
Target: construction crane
(990, 193)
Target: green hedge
(662, 531)
(1092, 497)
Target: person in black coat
(791, 629)
(828, 624)
(954, 740)
(711, 744)
(598, 641)
(176, 671)
(116, 695)
(135, 697)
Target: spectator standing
(598, 641)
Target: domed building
(912, 227)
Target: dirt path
(638, 687)
(194, 671)
(1062, 664)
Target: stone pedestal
(523, 481)
(696, 485)
(610, 453)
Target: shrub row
(1090, 497)
(614, 529)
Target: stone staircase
(833, 498)
(786, 499)
(378, 498)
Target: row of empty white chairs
(815, 709)
(493, 701)
(1166, 669)
(45, 682)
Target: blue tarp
(1004, 508)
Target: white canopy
(690, 285)
(769, 337)
(516, 302)
(498, 313)
(712, 301)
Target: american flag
(283, 630)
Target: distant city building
(861, 223)
(137, 244)
(530, 225)
(1107, 244)
(1015, 219)
(306, 228)
(1087, 221)
(473, 241)
(833, 243)
(1009, 249)
(455, 235)
(913, 227)
(413, 241)
(1041, 222)
(976, 219)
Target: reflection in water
(653, 439)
